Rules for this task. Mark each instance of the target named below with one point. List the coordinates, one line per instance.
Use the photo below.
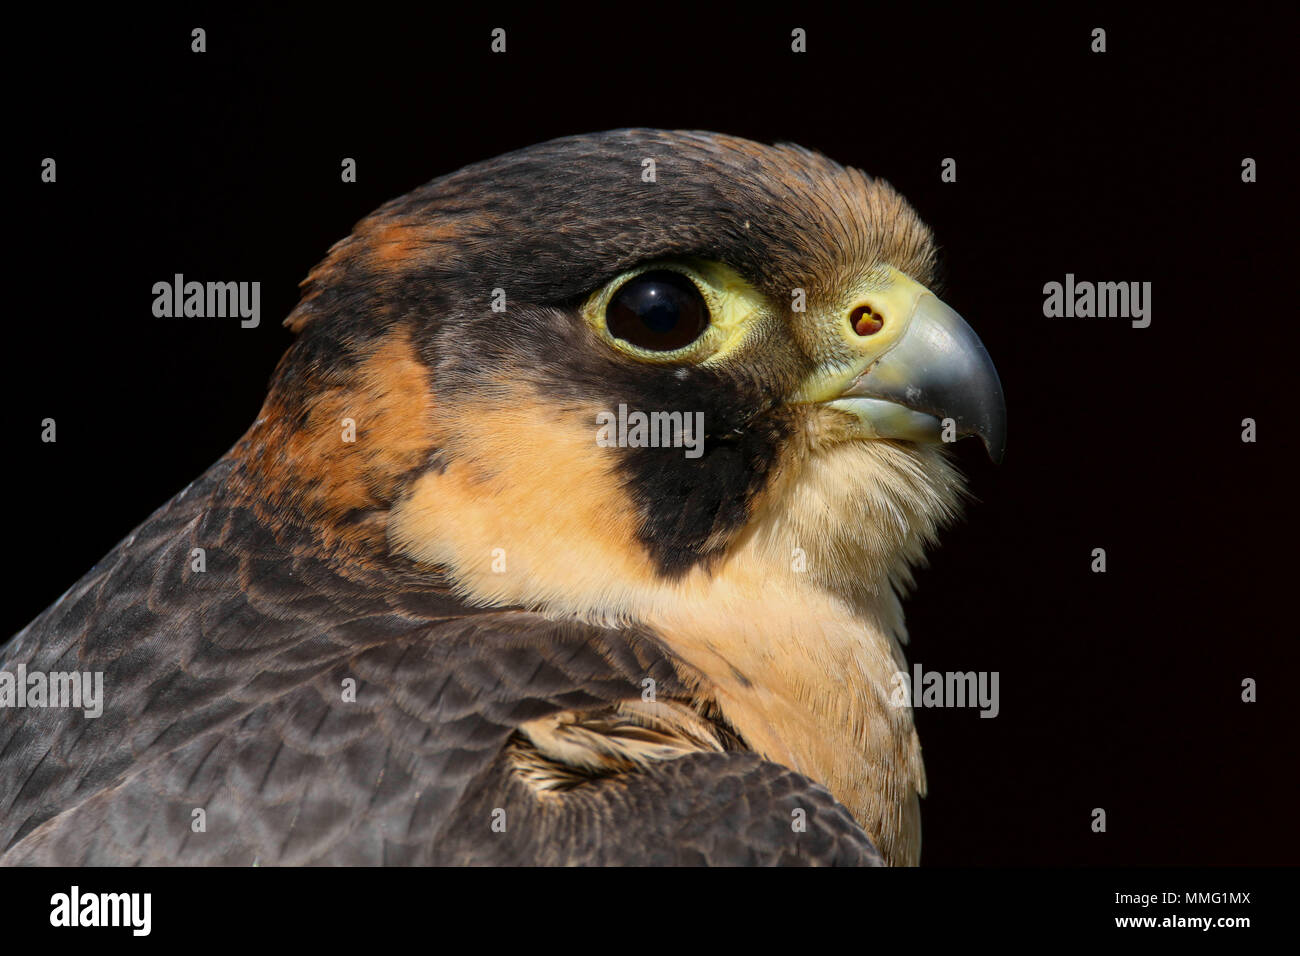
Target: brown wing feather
(224, 693)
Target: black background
(1118, 690)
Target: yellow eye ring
(727, 308)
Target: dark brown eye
(660, 311)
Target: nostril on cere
(866, 321)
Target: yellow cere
(842, 353)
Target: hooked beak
(918, 373)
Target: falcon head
(486, 331)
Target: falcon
(433, 608)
